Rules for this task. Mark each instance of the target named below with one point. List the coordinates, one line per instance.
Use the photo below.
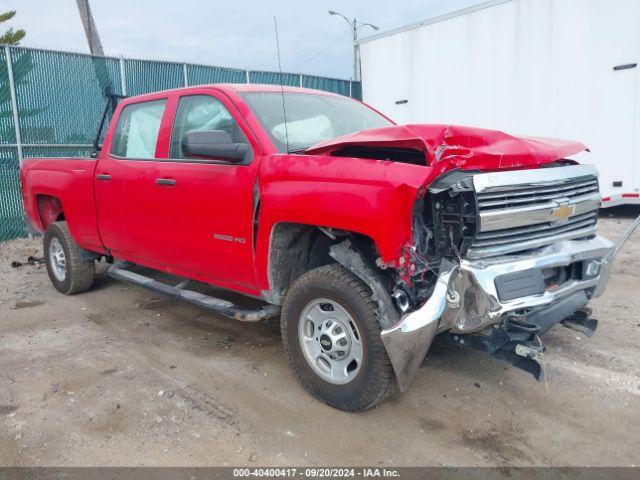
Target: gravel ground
(121, 376)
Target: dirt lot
(121, 376)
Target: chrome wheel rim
(57, 259)
(330, 341)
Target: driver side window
(201, 113)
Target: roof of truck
(257, 87)
(244, 87)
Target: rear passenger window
(136, 134)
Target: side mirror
(216, 144)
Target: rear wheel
(331, 333)
(68, 271)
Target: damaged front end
(497, 260)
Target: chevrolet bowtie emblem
(563, 212)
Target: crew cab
(366, 238)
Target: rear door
(124, 182)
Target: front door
(204, 208)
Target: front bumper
(466, 300)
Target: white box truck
(555, 68)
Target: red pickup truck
(366, 237)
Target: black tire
(375, 380)
(79, 273)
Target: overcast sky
(236, 33)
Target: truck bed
(69, 179)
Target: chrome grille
(502, 237)
(536, 195)
(527, 209)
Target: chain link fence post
(123, 80)
(15, 116)
(14, 103)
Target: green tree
(11, 36)
(22, 65)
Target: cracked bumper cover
(465, 298)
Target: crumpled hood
(450, 146)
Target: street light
(354, 26)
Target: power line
(322, 51)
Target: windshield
(311, 118)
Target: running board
(120, 271)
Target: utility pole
(95, 46)
(353, 25)
(356, 52)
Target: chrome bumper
(465, 298)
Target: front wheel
(331, 334)
(68, 271)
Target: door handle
(104, 177)
(170, 182)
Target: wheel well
(49, 210)
(296, 248)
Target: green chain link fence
(59, 97)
